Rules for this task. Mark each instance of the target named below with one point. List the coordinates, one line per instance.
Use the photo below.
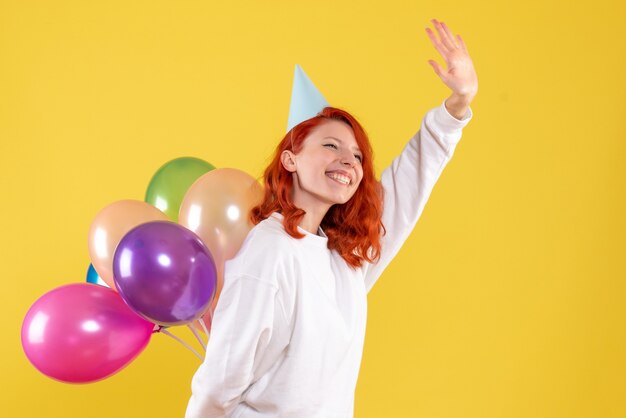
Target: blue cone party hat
(306, 100)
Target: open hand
(460, 76)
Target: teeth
(339, 177)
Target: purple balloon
(165, 273)
(82, 333)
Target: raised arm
(410, 178)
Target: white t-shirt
(289, 327)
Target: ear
(288, 159)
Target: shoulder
(268, 236)
(265, 253)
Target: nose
(348, 159)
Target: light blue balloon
(94, 277)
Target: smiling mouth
(339, 178)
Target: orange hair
(354, 228)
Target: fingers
(461, 42)
(438, 45)
(447, 44)
(444, 34)
(450, 36)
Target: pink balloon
(82, 332)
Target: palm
(460, 75)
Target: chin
(343, 199)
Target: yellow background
(509, 298)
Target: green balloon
(170, 183)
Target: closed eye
(357, 156)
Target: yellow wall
(509, 298)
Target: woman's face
(327, 170)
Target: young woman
(289, 328)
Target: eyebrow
(341, 142)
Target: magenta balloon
(81, 333)
(164, 273)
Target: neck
(314, 214)
(315, 209)
(312, 220)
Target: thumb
(437, 69)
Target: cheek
(358, 185)
(360, 174)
